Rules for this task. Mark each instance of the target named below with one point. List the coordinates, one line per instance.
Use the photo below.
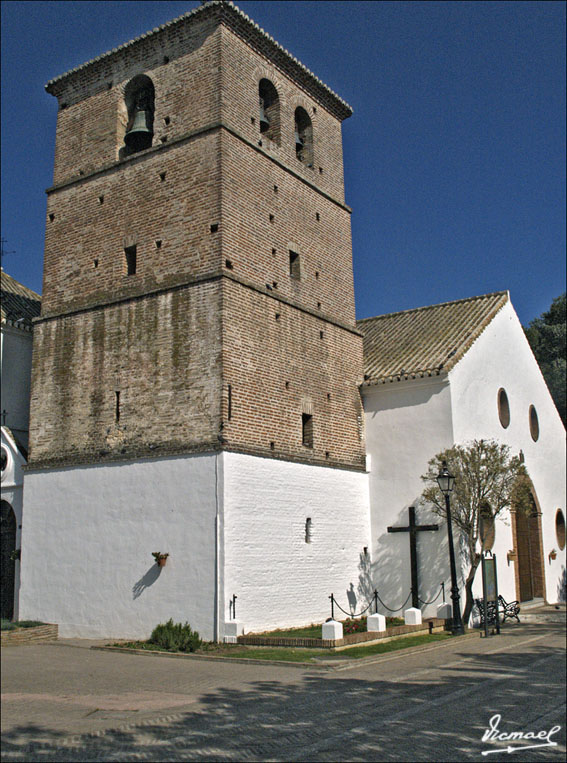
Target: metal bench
(506, 610)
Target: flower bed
(432, 625)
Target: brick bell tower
(198, 291)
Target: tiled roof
(254, 35)
(426, 341)
(17, 301)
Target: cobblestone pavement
(72, 704)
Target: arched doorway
(7, 564)
(528, 542)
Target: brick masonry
(212, 312)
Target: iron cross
(413, 529)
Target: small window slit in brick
(158, 243)
(109, 85)
(327, 454)
(307, 430)
(51, 217)
(117, 406)
(259, 142)
(162, 176)
(101, 199)
(95, 264)
(317, 216)
(273, 251)
(166, 59)
(166, 120)
(253, 120)
(214, 227)
(287, 385)
(228, 265)
(318, 305)
(328, 395)
(275, 189)
(229, 402)
(317, 274)
(321, 335)
(277, 316)
(272, 218)
(294, 265)
(130, 253)
(272, 445)
(163, 138)
(320, 170)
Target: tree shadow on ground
(338, 716)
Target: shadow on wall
(148, 579)
(562, 586)
(391, 570)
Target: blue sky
(454, 157)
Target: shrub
(7, 625)
(175, 637)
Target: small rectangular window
(130, 254)
(307, 429)
(117, 407)
(294, 268)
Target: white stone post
(376, 623)
(332, 630)
(444, 611)
(412, 616)
(232, 629)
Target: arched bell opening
(139, 97)
(269, 110)
(303, 137)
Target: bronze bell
(139, 135)
(264, 121)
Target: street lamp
(446, 482)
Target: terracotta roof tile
(426, 341)
(17, 301)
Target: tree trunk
(468, 589)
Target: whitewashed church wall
(407, 423)
(16, 357)
(280, 579)
(88, 538)
(502, 358)
(12, 493)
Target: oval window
(560, 528)
(534, 424)
(503, 408)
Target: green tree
(488, 480)
(547, 337)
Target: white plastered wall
(407, 423)
(502, 357)
(278, 578)
(12, 493)
(88, 538)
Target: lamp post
(446, 482)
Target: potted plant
(160, 558)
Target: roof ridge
(200, 9)
(439, 304)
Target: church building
(197, 372)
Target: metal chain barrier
(376, 600)
(441, 591)
(397, 608)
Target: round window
(3, 460)
(503, 408)
(534, 424)
(560, 528)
